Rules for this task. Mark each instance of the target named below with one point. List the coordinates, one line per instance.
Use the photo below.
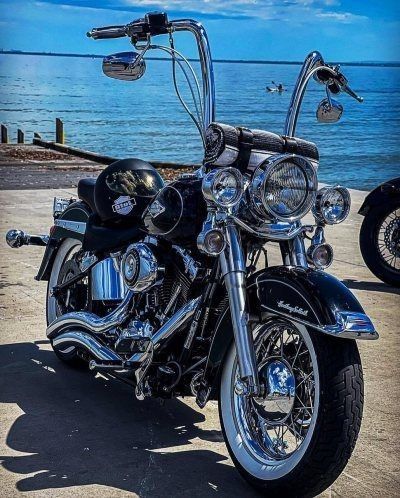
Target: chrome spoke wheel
(274, 425)
(295, 437)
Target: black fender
(77, 212)
(304, 295)
(380, 195)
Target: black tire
(338, 421)
(369, 244)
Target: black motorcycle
(168, 285)
(380, 232)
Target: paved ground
(71, 433)
(33, 167)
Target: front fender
(384, 193)
(307, 296)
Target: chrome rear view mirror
(128, 66)
(329, 111)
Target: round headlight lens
(223, 187)
(284, 187)
(332, 205)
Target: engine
(163, 279)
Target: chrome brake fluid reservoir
(107, 283)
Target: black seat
(99, 237)
(86, 192)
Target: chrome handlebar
(206, 63)
(157, 23)
(314, 64)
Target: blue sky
(345, 30)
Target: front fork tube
(233, 268)
(294, 252)
(298, 254)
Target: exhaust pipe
(17, 238)
(90, 321)
(90, 344)
(106, 357)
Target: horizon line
(223, 61)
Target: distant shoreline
(222, 61)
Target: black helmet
(124, 189)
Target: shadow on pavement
(79, 429)
(370, 286)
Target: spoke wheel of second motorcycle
(64, 268)
(380, 242)
(297, 436)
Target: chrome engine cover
(139, 268)
(106, 282)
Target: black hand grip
(107, 32)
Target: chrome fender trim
(348, 325)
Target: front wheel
(380, 242)
(296, 438)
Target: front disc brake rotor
(392, 237)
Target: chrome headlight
(223, 187)
(332, 205)
(284, 187)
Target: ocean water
(144, 118)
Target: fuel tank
(177, 212)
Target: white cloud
(345, 17)
(298, 10)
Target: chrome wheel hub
(279, 383)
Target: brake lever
(342, 81)
(345, 88)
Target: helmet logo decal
(156, 208)
(123, 205)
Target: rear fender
(71, 224)
(307, 296)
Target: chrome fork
(233, 267)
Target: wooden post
(4, 134)
(59, 131)
(20, 136)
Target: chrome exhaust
(91, 322)
(90, 344)
(17, 238)
(106, 357)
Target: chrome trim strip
(349, 325)
(72, 226)
(273, 231)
